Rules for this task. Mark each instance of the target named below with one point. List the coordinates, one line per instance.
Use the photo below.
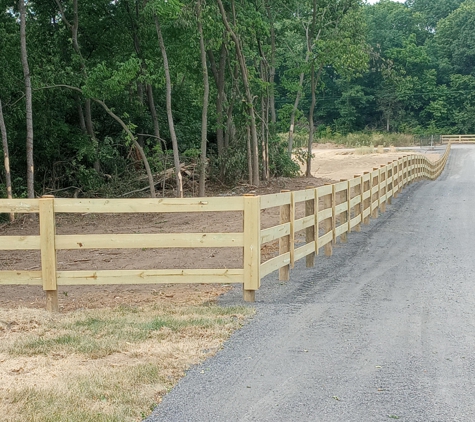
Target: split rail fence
(457, 139)
(331, 212)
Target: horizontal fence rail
(457, 139)
(329, 213)
(333, 211)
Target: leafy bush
(280, 163)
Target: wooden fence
(330, 213)
(457, 139)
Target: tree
(174, 6)
(249, 97)
(30, 167)
(434, 10)
(204, 118)
(6, 157)
(455, 39)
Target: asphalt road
(383, 330)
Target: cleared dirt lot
(330, 164)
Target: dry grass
(103, 364)
(364, 150)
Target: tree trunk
(249, 154)
(219, 79)
(264, 126)
(221, 99)
(297, 98)
(229, 134)
(153, 111)
(74, 28)
(294, 111)
(136, 144)
(30, 171)
(6, 157)
(247, 88)
(82, 121)
(272, 68)
(204, 114)
(92, 134)
(171, 125)
(313, 85)
(308, 173)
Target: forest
(103, 98)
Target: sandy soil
(330, 164)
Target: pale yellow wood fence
(329, 213)
(333, 211)
(457, 139)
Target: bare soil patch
(331, 163)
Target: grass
(355, 140)
(368, 139)
(103, 364)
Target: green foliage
(281, 164)
(407, 67)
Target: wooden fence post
(310, 231)
(375, 182)
(359, 208)
(405, 171)
(48, 252)
(366, 188)
(284, 242)
(383, 175)
(390, 187)
(344, 216)
(252, 247)
(328, 225)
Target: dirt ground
(330, 164)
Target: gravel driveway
(383, 330)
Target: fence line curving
(328, 213)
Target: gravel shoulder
(382, 330)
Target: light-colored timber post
(48, 252)
(375, 182)
(344, 216)
(401, 174)
(310, 231)
(359, 208)
(284, 242)
(328, 201)
(252, 247)
(348, 208)
(333, 213)
(367, 202)
(390, 187)
(383, 174)
(316, 208)
(292, 230)
(395, 165)
(405, 171)
(396, 183)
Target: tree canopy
(124, 91)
